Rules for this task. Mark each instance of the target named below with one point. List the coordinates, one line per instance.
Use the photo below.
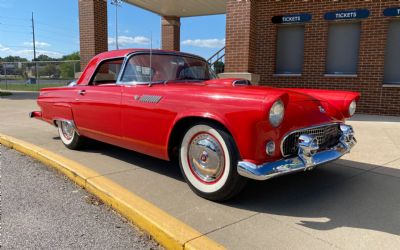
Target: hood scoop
(241, 82)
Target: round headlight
(276, 113)
(352, 108)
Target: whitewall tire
(68, 134)
(208, 160)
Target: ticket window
(392, 65)
(290, 50)
(343, 49)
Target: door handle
(82, 92)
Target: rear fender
(58, 111)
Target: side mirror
(71, 84)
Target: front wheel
(68, 135)
(208, 161)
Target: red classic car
(170, 105)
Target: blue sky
(57, 28)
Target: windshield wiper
(157, 82)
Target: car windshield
(144, 68)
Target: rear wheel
(68, 135)
(208, 160)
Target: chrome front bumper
(307, 158)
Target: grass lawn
(27, 87)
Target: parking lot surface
(41, 209)
(352, 203)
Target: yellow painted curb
(164, 228)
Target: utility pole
(34, 51)
(117, 4)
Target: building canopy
(182, 8)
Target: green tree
(219, 67)
(72, 56)
(45, 58)
(67, 68)
(13, 59)
(50, 70)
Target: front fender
(201, 114)
(338, 99)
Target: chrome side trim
(306, 159)
(71, 122)
(301, 129)
(150, 98)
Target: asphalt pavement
(42, 209)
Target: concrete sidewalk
(352, 203)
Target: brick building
(332, 44)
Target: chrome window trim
(304, 128)
(147, 52)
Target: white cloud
(29, 52)
(205, 43)
(4, 49)
(129, 40)
(38, 44)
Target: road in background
(42, 81)
(41, 209)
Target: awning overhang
(182, 8)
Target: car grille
(327, 135)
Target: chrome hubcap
(206, 157)
(67, 129)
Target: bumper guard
(307, 158)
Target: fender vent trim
(150, 98)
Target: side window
(137, 73)
(194, 72)
(107, 72)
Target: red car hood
(302, 108)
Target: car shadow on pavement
(170, 169)
(330, 197)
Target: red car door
(97, 112)
(97, 105)
(145, 122)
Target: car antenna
(151, 54)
